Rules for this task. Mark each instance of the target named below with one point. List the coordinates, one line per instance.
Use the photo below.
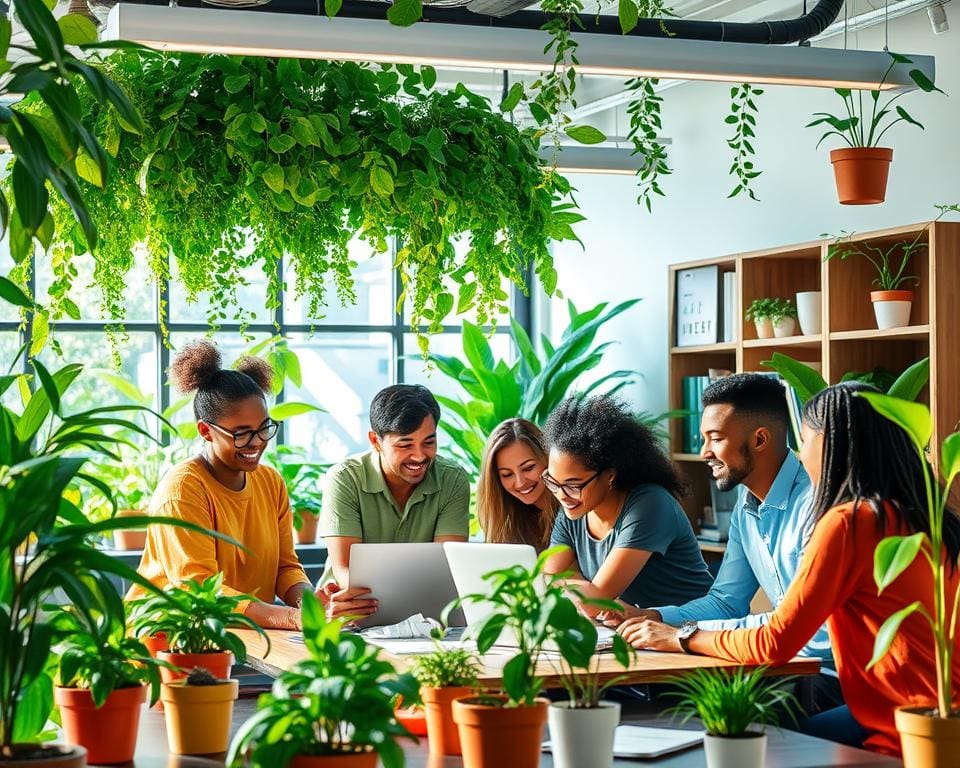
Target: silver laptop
(406, 579)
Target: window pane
(252, 297)
(416, 370)
(7, 311)
(341, 373)
(9, 346)
(139, 298)
(373, 283)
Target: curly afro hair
(603, 434)
(198, 368)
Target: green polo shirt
(357, 502)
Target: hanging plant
(247, 159)
(645, 124)
(743, 111)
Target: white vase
(784, 327)
(808, 312)
(892, 308)
(726, 752)
(582, 737)
(764, 328)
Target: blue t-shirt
(651, 520)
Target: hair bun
(195, 366)
(258, 370)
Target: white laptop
(406, 579)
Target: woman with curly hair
(629, 538)
(225, 488)
(513, 505)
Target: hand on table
(350, 602)
(647, 635)
(614, 620)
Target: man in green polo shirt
(400, 491)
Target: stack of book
(692, 388)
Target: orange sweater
(258, 517)
(835, 583)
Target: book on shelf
(692, 389)
(728, 302)
(794, 409)
(698, 306)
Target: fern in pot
(445, 675)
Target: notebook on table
(642, 742)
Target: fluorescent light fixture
(205, 30)
(610, 157)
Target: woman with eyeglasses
(225, 488)
(513, 505)
(629, 538)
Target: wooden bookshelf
(849, 340)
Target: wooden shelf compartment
(726, 346)
(693, 365)
(813, 342)
(862, 354)
(914, 332)
(781, 275)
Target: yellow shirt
(258, 517)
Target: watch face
(687, 629)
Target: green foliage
(534, 607)
(729, 702)
(97, 655)
(858, 129)
(890, 261)
(742, 117)
(340, 700)
(303, 479)
(196, 618)
(531, 387)
(447, 668)
(298, 157)
(773, 308)
(895, 554)
(645, 125)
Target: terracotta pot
(52, 756)
(217, 664)
(198, 716)
(108, 733)
(784, 327)
(892, 308)
(927, 741)
(359, 760)
(133, 539)
(441, 730)
(861, 174)
(496, 737)
(764, 328)
(308, 531)
(155, 643)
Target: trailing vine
(645, 125)
(742, 116)
(247, 159)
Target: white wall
(627, 250)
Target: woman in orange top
(869, 484)
(226, 489)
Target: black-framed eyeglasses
(571, 490)
(243, 438)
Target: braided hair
(198, 368)
(868, 458)
(603, 434)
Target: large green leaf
(888, 631)
(911, 382)
(287, 410)
(950, 457)
(805, 381)
(893, 556)
(913, 418)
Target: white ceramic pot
(764, 328)
(784, 327)
(808, 312)
(583, 737)
(892, 308)
(726, 752)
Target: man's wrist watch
(687, 630)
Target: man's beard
(736, 475)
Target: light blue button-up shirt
(764, 547)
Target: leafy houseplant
(772, 316)
(339, 701)
(861, 168)
(304, 482)
(444, 675)
(195, 619)
(892, 557)
(198, 710)
(728, 703)
(103, 674)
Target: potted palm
(444, 675)
(303, 480)
(928, 736)
(861, 168)
(198, 709)
(195, 620)
(734, 707)
(103, 680)
(334, 709)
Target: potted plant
(783, 317)
(334, 709)
(734, 707)
(862, 167)
(304, 481)
(444, 675)
(196, 619)
(198, 709)
(103, 679)
(507, 729)
(760, 312)
(928, 735)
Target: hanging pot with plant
(861, 168)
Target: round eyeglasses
(243, 438)
(570, 490)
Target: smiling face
(244, 415)
(567, 469)
(519, 470)
(726, 446)
(406, 458)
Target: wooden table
(649, 666)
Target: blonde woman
(513, 505)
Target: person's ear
(761, 439)
(374, 440)
(204, 430)
(612, 478)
